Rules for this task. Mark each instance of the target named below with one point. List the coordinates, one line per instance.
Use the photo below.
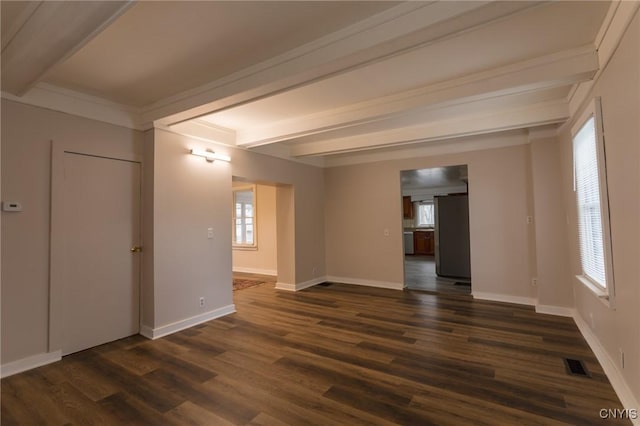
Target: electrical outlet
(202, 302)
(534, 282)
(529, 220)
(386, 232)
(209, 233)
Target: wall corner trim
(614, 375)
(494, 297)
(560, 311)
(366, 283)
(28, 363)
(165, 330)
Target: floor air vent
(575, 367)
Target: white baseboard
(285, 286)
(555, 310)
(255, 271)
(165, 330)
(28, 363)
(494, 297)
(609, 366)
(367, 283)
(300, 286)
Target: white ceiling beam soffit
(561, 68)
(401, 28)
(50, 33)
(540, 114)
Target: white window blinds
(587, 185)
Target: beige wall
(27, 133)
(302, 186)
(551, 248)
(190, 195)
(263, 260)
(619, 88)
(364, 200)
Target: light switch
(209, 233)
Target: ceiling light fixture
(209, 155)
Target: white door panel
(102, 223)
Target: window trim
(606, 295)
(237, 246)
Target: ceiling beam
(488, 122)
(560, 68)
(52, 32)
(403, 27)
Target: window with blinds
(590, 189)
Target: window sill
(599, 292)
(245, 248)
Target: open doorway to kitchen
(435, 208)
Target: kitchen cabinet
(407, 208)
(423, 242)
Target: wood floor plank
(331, 354)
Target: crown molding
(56, 98)
(49, 34)
(612, 30)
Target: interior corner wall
(551, 248)
(264, 259)
(301, 196)
(27, 132)
(147, 284)
(190, 195)
(619, 88)
(365, 199)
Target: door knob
(136, 249)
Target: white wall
(364, 200)
(27, 133)
(615, 329)
(264, 259)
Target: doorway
(436, 229)
(100, 218)
(262, 232)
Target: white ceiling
(308, 80)
(158, 49)
(435, 177)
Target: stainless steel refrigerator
(452, 249)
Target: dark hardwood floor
(328, 355)
(420, 274)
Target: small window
(244, 217)
(590, 185)
(425, 215)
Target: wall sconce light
(209, 155)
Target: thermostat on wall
(11, 206)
